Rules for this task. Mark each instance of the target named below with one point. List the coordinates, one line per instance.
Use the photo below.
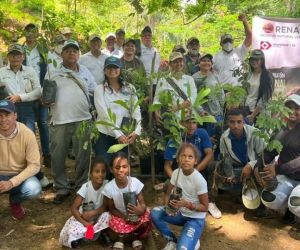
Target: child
(90, 193)
(120, 222)
(191, 207)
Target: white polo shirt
(24, 83)
(105, 98)
(95, 65)
(183, 83)
(33, 59)
(225, 63)
(116, 52)
(146, 57)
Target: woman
(207, 78)
(115, 89)
(261, 85)
(182, 87)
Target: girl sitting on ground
(130, 219)
(88, 209)
(191, 207)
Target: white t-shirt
(95, 65)
(112, 191)
(225, 63)
(254, 81)
(192, 186)
(88, 193)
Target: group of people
(96, 79)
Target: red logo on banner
(265, 45)
(268, 27)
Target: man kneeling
(19, 160)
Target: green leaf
(105, 123)
(203, 93)
(115, 148)
(123, 104)
(154, 107)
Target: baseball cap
(112, 61)
(15, 47)
(7, 106)
(71, 43)
(293, 98)
(65, 30)
(207, 55)
(178, 48)
(250, 194)
(59, 38)
(226, 37)
(119, 31)
(129, 40)
(145, 30)
(110, 35)
(94, 36)
(257, 53)
(192, 39)
(175, 55)
(189, 116)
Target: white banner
(279, 38)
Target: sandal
(137, 245)
(118, 245)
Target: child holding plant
(88, 209)
(126, 204)
(191, 207)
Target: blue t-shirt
(239, 147)
(200, 139)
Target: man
(192, 57)
(149, 55)
(19, 161)
(54, 57)
(94, 59)
(34, 58)
(21, 84)
(229, 58)
(66, 32)
(110, 49)
(74, 84)
(120, 39)
(286, 170)
(240, 149)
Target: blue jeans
(190, 234)
(25, 114)
(29, 189)
(41, 113)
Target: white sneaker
(197, 245)
(170, 246)
(214, 210)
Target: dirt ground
(237, 229)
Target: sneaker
(17, 210)
(214, 210)
(197, 245)
(47, 161)
(170, 246)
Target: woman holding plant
(287, 168)
(119, 114)
(261, 85)
(181, 87)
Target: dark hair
(98, 160)
(234, 111)
(30, 27)
(120, 80)
(183, 146)
(118, 155)
(266, 83)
